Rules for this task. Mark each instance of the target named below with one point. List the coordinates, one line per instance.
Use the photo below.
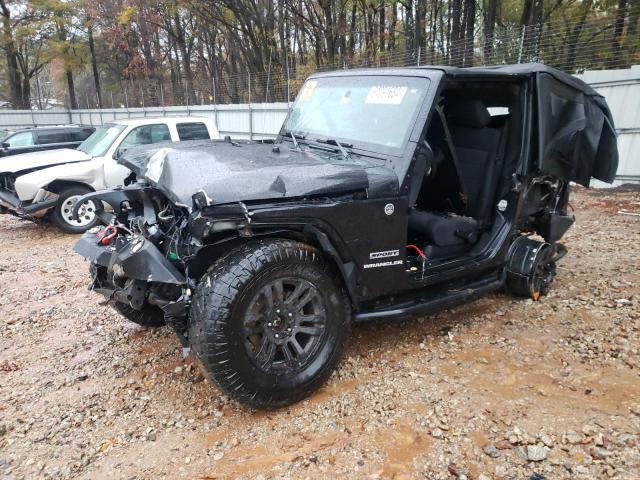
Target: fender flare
(345, 267)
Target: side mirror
(5, 145)
(119, 153)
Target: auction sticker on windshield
(307, 91)
(386, 95)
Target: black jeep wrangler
(388, 194)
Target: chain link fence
(590, 42)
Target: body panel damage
(232, 172)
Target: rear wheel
(531, 268)
(269, 322)
(62, 217)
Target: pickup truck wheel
(149, 316)
(269, 322)
(61, 215)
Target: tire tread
(213, 305)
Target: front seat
(445, 234)
(478, 150)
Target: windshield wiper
(295, 137)
(341, 146)
(295, 142)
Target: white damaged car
(48, 184)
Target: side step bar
(439, 302)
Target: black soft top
(575, 134)
(500, 71)
(521, 69)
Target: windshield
(4, 134)
(365, 111)
(97, 144)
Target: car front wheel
(62, 216)
(269, 322)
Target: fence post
(70, 115)
(521, 44)
(215, 102)
(266, 95)
(418, 64)
(250, 122)
(164, 112)
(288, 79)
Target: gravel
(498, 388)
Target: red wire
(420, 252)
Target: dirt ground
(498, 388)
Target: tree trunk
(615, 58)
(632, 30)
(469, 20)
(489, 30)
(573, 40)
(381, 27)
(352, 30)
(173, 75)
(26, 92)
(329, 30)
(419, 28)
(281, 27)
(13, 73)
(456, 34)
(94, 66)
(392, 25)
(73, 102)
(186, 58)
(408, 25)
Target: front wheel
(62, 217)
(269, 322)
(150, 315)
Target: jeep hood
(233, 172)
(35, 160)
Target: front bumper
(134, 258)
(12, 204)
(133, 271)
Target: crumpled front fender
(90, 173)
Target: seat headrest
(468, 113)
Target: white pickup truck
(49, 183)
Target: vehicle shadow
(369, 336)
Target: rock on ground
(461, 394)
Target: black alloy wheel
(284, 325)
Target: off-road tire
(219, 313)
(56, 214)
(150, 315)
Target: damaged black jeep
(388, 194)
